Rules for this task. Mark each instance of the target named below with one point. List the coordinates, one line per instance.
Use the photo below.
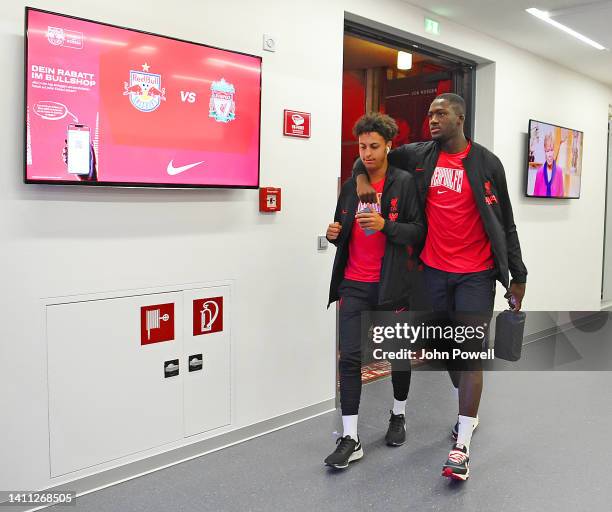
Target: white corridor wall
(57, 241)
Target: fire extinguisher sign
(207, 316)
(156, 323)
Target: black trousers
(449, 291)
(356, 297)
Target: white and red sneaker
(457, 466)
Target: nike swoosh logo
(173, 171)
(442, 191)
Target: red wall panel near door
(353, 107)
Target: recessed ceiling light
(545, 16)
(404, 60)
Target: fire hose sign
(156, 323)
(207, 316)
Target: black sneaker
(457, 466)
(396, 433)
(347, 450)
(455, 431)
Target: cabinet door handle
(171, 368)
(195, 362)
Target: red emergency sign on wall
(296, 124)
(269, 199)
(156, 323)
(207, 316)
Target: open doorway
(374, 80)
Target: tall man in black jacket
(370, 272)
(471, 240)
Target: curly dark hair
(382, 124)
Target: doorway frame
(389, 36)
(606, 300)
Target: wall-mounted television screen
(106, 105)
(554, 166)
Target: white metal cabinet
(108, 395)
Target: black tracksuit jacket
(487, 178)
(404, 228)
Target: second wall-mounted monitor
(554, 167)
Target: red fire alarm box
(269, 199)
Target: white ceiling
(507, 21)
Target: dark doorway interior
(373, 82)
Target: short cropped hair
(376, 122)
(456, 101)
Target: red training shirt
(366, 252)
(456, 240)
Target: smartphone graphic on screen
(78, 149)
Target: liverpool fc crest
(222, 107)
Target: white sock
(399, 407)
(466, 428)
(349, 426)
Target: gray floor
(543, 445)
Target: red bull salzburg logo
(222, 107)
(145, 90)
(55, 36)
